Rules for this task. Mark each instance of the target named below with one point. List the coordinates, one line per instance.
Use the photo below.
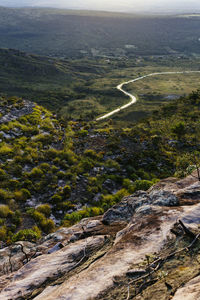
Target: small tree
(195, 160)
(187, 163)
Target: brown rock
(191, 291)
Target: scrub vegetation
(54, 174)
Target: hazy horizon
(120, 6)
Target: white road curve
(132, 97)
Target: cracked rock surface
(101, 257)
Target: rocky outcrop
(46, 269)
(14, 113)
(190, 291)
(12, 258)
(139, 202)
(138, 246)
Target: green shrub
(82, 133)
(84, 213)
(109, 200)
(143, 175)
(47, 226)
(85, 165)
(69, 156)
(43, 138)
(3, 233)
(5, 149)
(96, 211)
(4, 128)
(22, 195)
(61, 175)
(56, 199)
(112, 164)
(179, 129)
(65, 206)
(13, 184)
(18, 159)
(5, 211)
(92, 181)
(3, 174)
(25, 235)
(45, 209)
(67, 190)
(120, 194)
(27, 184)
(16, 218)
(52, 153)
(142, 185)
(38, 231)
(38, 217)
(69, 174)
(92, 189)
(91, 153)
(26, 193)
(45, 167)
(4, 195)
(54, 169)
(36, 173)
(134, 177)
(12, 204)
(127, 183)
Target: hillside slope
(74, 34)
(53, 175)
(48, 81)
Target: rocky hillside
(145, 247)
(50, 175)
(54, 175)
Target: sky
(112, 5)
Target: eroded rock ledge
(136, 250)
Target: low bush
(3, 174)
(36, 173)
(45, 209)
(3, 233)
(67, 190)
(56, 199)
(5, 211)
(47, 226)
(5, 195)
(5, 149)
(84, 213)
(142, 185)
(26, 235)
(22, 195)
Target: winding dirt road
(132, 97)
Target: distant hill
(48, 81)
(71, 33)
